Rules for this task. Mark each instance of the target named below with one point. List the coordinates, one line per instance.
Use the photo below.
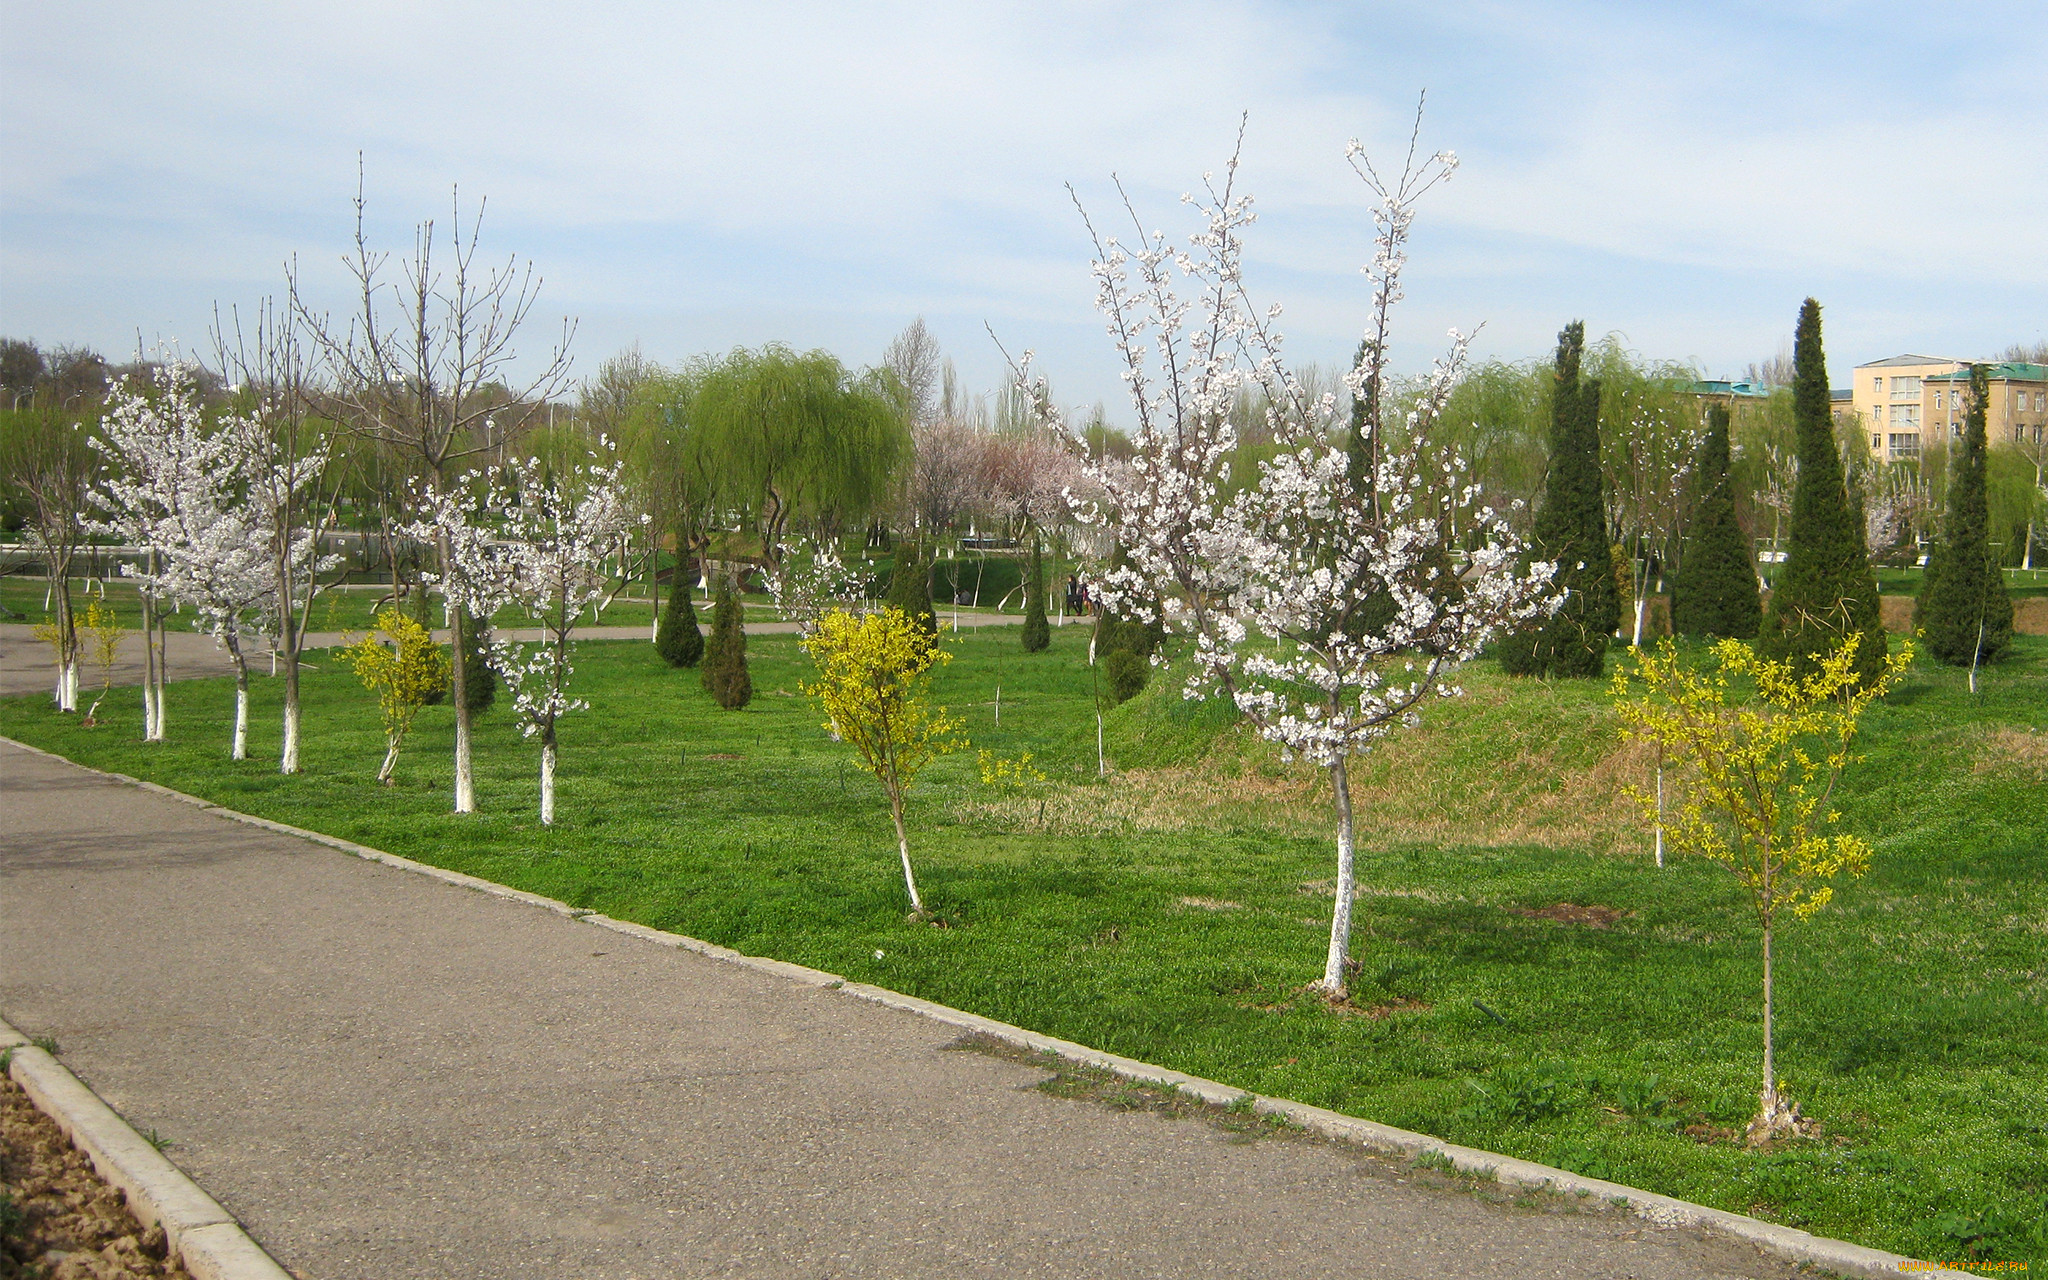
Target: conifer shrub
(1715, 591)
(725, 671)
(479, 677)
(1571, 529)
(1124, 648)
(1124, 674)
(678, 640)
(1037, 632)
(1825, 590)
(910, 587)
(1964, 608)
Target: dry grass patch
(2022, 751)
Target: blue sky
(695, 177)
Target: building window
(1876, 440)
(1909, 386)
(1877, 385)
(1937, 399)
(1905, 443)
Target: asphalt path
(384, 1075)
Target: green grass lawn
(1173, 911)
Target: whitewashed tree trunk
(163, 678)
(465, 771)
(903, 848)
(1347, 884)
(390, 761)
(1660, 806)
(241, 751)
(290, 759)
(547, 784)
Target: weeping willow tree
(785, 436)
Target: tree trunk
(289, 760)
(465, 773)
(1347, 884)
(390, 760)
(148, 666)
(547, 778)
(903, 848)
(1660, 806)
(234, 643)
(1768, 1102)
(290, 627)
(67, 642)
(654, 590)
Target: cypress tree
(1037, 634)
(1964, 608)
(1825, 591)
(479, 677)
(1571, 529)
(910, 587)
(678, 640)
(1714, 592)
(725, 654)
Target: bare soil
(1593, 917)
(58, 1221)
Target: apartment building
(2017, 413)
(1910, 402)
(1889, 398)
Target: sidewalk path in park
(26, 663)
(385, 1075)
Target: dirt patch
(2030, 615)
(1593, 917)
(58, 1221)
(1346, 1009)
(1896, 613)
(2021, 750)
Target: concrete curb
(203, 1235)
(1838, 1256)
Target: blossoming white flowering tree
(471, 579)
(290, 489)
(1335, 592)
(537, 537)
(194, 492)
(809, 581)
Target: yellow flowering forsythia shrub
(401, 664)
(1755, 776)
(105, 626)
(874, 674)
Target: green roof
(2008, 370)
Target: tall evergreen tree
(1037, 634)
(480, 682)
(1715, 590)
(1825, 590)
(1964, 608)
(1571, 529)
(725, 653)
(910, 586)
(678, 640)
